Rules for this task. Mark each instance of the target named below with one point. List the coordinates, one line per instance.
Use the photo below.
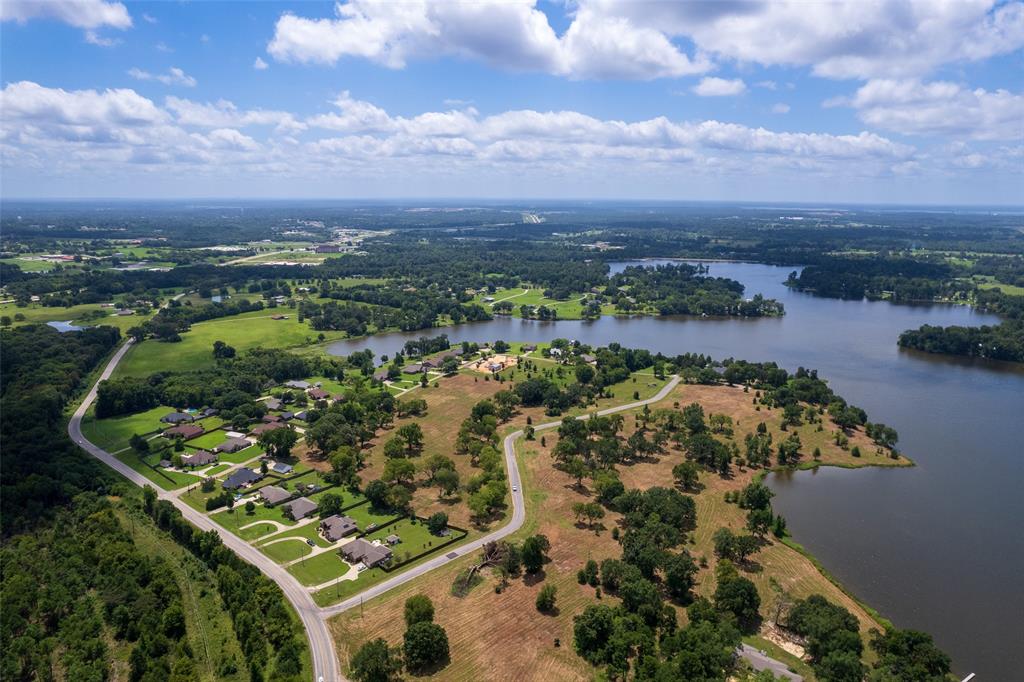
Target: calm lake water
(938, 547)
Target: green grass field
(286, 550)
(364, 515)
(320, 569)
(35, 313)
(195, 350)
(113, 433)
(306, 532)
(209, 440)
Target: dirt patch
(494, 363)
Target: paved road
(321, 646)
(518, 513)
(759, 661)
(314, 619)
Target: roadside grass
(243, 332)
(113, 433)
(207, 623)
(168, 480)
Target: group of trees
(685, 289)
(835, 647)
(424, 647)
(270, 636)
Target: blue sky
(904, 102)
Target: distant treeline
(1000, 342)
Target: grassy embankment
(521, 642)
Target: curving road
(314, 618)
(518, 512)
(321, 646)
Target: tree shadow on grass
(531, 579)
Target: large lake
(938, 547)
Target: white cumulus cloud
(174, 76)
(711, 86)
(260, 65)
(914, 107)
(643, 39)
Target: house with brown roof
(271, 418)
(263, 428)
(318, 394)
(199, 458)
(336, 527)
(366, 553)
(185, 431)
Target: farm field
(195, 350)
(521, 644)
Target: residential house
(282, 468)
(392, 539)
(273, 404)
(287, 416)
(185, 431)
(208, 412)
(232, 445)
(301, 508)
(303, 385)
(318, 394)
(243, 478)
(166, 464)
(327, 248)
(271, 418)
(273, 494)
(589, 359)
(361, 551)
(529, 347)
(263, 428)
(301, 415)
(177, 418)
(381, 374)
(336, 527)
(199, 458)
(414, 368)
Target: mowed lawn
(320, 569)
(113, 433)
(195, 350)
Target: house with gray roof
(273, 404)
(273, 494)
(243, 478)
(281, 468)
(366, 553)
(336, 527)
(301, 508)
(199, 458)
(302, 385)
(232, 445)
(177, 418)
